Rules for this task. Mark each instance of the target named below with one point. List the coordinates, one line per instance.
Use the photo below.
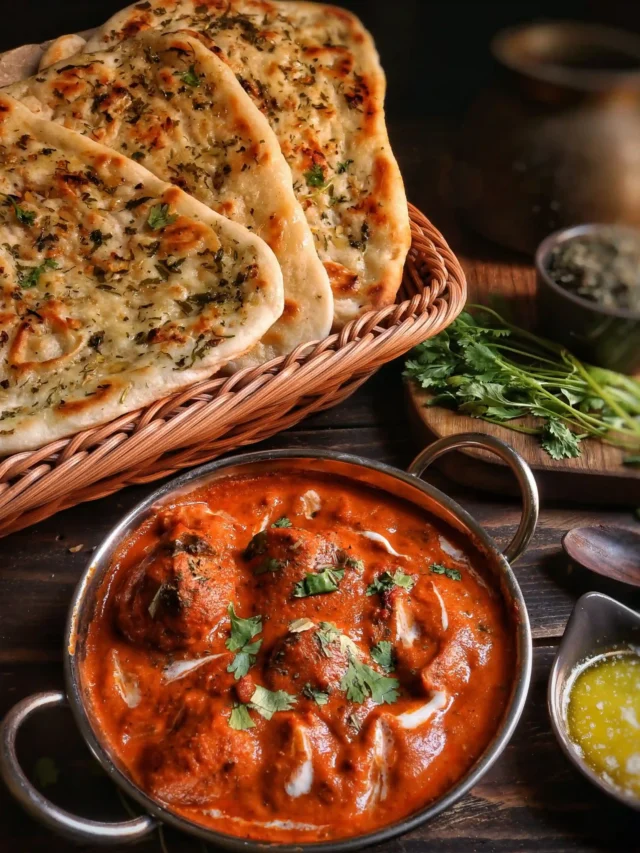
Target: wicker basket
(224, 413)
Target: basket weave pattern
(223, 413)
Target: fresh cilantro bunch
(487, 368)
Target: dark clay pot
(554, 142)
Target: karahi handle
(44, 811)
(524, 475)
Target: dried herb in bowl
(487, 368)
(601, 267)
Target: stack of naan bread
(204, 183)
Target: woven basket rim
(226, 412)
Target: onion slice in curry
(382, 540)
(413, 719)
(178, 669)
(127, 685)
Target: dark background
(435, 53)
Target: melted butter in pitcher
(603, 715)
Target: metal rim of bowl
(442, 507)
(557, 694)
(490, 755)
(563, 236)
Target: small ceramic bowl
(598, 623)
(602, 336)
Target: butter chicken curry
(294, 657)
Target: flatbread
(117, 288)
(314, 72)
(167, 101)
(61, 49)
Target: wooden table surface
(532, 800)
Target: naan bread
(171, 104)
(314, 72)
(60, 49)
(116, 287)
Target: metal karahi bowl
(382, 477)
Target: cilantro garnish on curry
(294, 658)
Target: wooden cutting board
(597, 476)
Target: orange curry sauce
(326, 715)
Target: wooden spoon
(610, 551)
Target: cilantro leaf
(387, 581)
(482, 398)
(384, 655)
(240, 719)
(244, 660)
(355, 564)
(159, 217)
(320, 697)
(558, 440)
(25, 217)
(242, 631)
(315, 177)
(327, 635)
(439, 569)
(28, 277)
(361, 681)
(190, 77)
(136, 202)
(282, 522)
(326, 580)
(269, 702)
(98, 238)
(342, 167)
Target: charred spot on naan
(69, 83)
(273, 232)
(45, 340)
(343, 280)
(184, 235)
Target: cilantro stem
(514, 427)
(489, 368)
(542, 343)
(600, 392)
(527, 354)
(571, 415)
